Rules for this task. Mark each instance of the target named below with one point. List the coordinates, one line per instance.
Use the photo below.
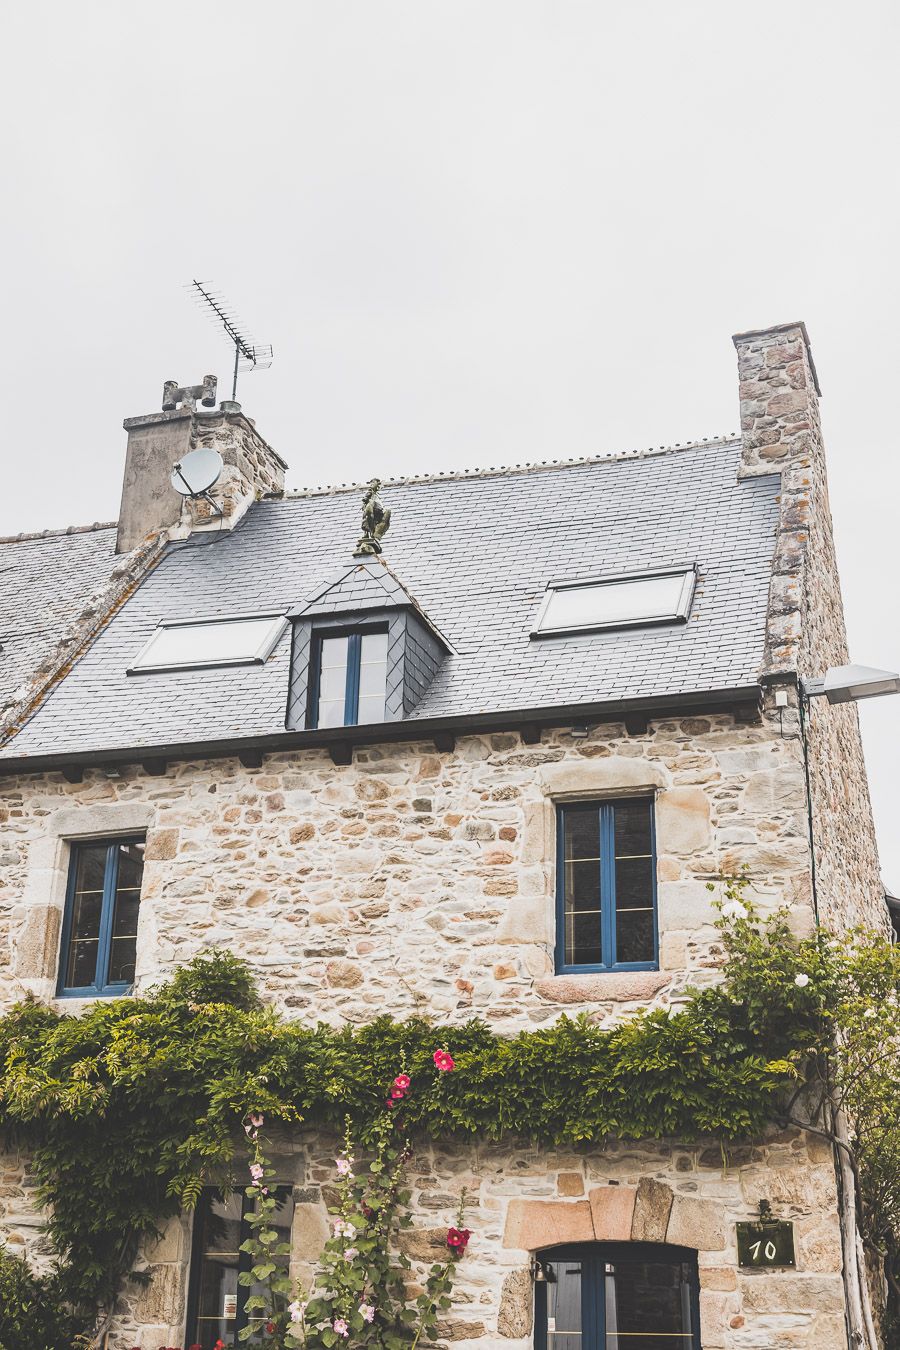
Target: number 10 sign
(765, 1244)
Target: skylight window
(619, 602)
(186, 644)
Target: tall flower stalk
(360, 1295)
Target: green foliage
(33, 1315)
(129, 1109)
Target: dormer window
(633, 601)
(363, 651)
(349, 678)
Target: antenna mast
(247, 355)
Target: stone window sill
(624, 986)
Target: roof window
(616, 602)
(189, 644)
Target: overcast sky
(476, 232)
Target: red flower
(443, 1061)
(398, 1094)
(270, 1327)
(458, 1238)
(402, 1081)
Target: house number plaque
(769, 1243)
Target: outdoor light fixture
(848, 684)
(541, 1273)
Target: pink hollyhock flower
(344, 1167)
(351, 1253)
(256, 1119)
(443, 1061)
(458, 1238)
(398, 1094)
(367, 1312)
(296, 1310)
(257, 1171)
(340, 1326)
(402, 1081)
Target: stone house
(561, 700)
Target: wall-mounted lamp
(541, 1273)
(848, 684)
(579, 733)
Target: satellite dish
(197, 472)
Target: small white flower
(870, 1012)
(734, 910)
(801, 980)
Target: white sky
(476, 232)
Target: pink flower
(367, 1312)
(256, 1119)
(458, 1238)
(443, 1061)
(340, 1326)
(344, 1167)
(398, 1094)
(402, 1081)
(351, 1253)
(296, 1309)
(257, 1171)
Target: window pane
(373, 647)
(632, 826)
(87, 911)
(581, 879)
(641, 599)
(634, 883)
(372, 678)
(333, 684)
(634, 936)
(332, 681)
(582, 832)
(371, 709)
(123, 947)
(334, 653)
(564, 1306)
(648, 1306)
(217, 1277)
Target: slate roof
(361, 584)
(477, 551)
(46, 580)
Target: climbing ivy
(130, 1109)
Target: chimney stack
(157, 441)
(779, 392)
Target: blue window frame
(349, 678)
(606, 886)
(99, 938)
(619, 1296)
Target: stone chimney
(780, 394)
(157, 441)
(782, 433)
(805, 634)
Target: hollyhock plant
(361, 1290)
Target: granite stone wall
(412, 881)
(524, 1199)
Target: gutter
(636, 713)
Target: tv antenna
(247, 355)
